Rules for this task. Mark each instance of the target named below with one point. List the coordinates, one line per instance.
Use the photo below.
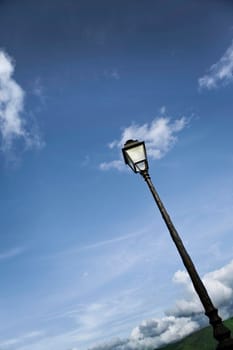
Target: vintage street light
(134, 153)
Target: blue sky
(86, 261)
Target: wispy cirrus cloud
(160, 136)
(11, 253)
(90, 321)
(21, 339)
(12, 125)
(220, 73)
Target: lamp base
(227, 344)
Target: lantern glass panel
(136, 154)
(130, 163)
(141, 166)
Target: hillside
(201, 339)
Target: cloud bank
(159, 136)
(184, 318)
(220, 73)
(12, 125)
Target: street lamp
(134, 153)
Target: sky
(86, 261)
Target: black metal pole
(221, 333)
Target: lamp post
(134, 153)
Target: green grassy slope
(201, 340)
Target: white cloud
(186, 317)
(181, 277)
(219, 284)
(220, 72)
(153, 333)
(90, 321)
(115, 164)
(157, 332)
(12, 124)
(159, 136)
